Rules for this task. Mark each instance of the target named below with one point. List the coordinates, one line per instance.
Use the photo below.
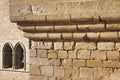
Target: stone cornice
(64, 10)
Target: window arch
(7, 55)
(19, 56)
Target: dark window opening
(19, 57)
(7, 56)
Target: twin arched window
(14, 57)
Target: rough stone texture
(46, 70)
(62, 54)
(106, 46)
(84, 54)
(98, 55)
(113, 55)
(9, 32)
(42, 53)
(75, 39)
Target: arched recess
(7, 55)
(19, 56)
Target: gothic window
(7, 55)
(19, 56)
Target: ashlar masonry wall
(89, 54)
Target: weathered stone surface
(79, 63)
(72, 54)
(86, 73)
(46, 70)
(76, 73)
(115, 75)
(52, 54)
(92, 27)
(62, 54)
(55, 62)
(67, 36)
(93, 36)
(68, 45)
(111, 64)
(98, 55)
(79, 36)
(58, 45)
(113, 55)
(114, 26)
(34, 70)
(33, 53)
(67, 62)
(65, 28)
(106, 46)
(83, 54)
(59, 72)
(117, 46)
(86, 45)
(42, 53)
(54, 36)
(109, 35)
(94, 63)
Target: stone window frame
(13, 57)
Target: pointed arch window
(19, 56)
(7, 55)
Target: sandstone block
(54, 36)
(105, 45)
(79, 36)
(42, 53)
(114, 26)
(79, 63)
(62, 54)
(98, 55)
(93, 36)
(33, 53)
(52, 78)
(92, 27)
(86, 73)
(85, 45)
(68, 73)
(58, 18)
(55, 62)
(75, 73)
(59, 72)
(44, 28)
(72, 54)
(65, 28)
(44, 61)
(67, 36)
(52, 54)
(111, 64)
(113, 55)
(68, 45)
(38, 78)
(34, 61)
(34, 70)
(67, 62)
(83, 54)
(94, 63)
(58, 45)
(45, 45)
(46, 70)
(109, 35)
(101, 72)
(117, 46)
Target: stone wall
(9, 32)
(74, 60)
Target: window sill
(14, 70)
